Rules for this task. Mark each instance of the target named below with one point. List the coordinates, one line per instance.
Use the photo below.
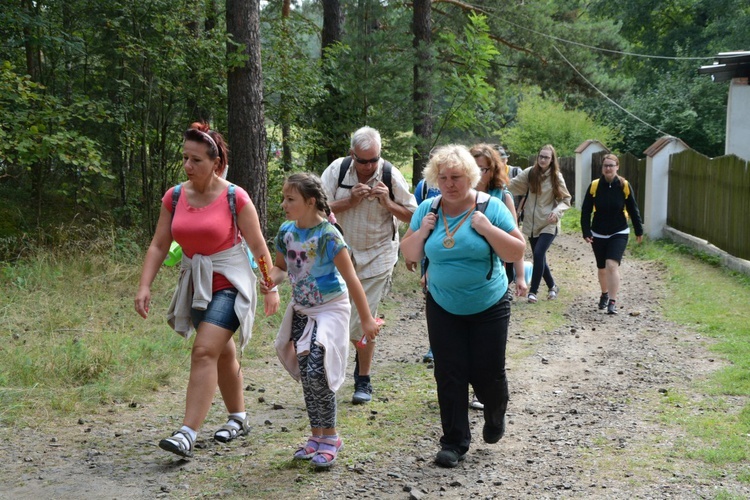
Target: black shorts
(610, 248)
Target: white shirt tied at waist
(332, 319)
(195, 284)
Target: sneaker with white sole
(603, 301)
(362, 393)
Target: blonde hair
(451, 156)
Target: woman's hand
(480, 223)
(271, 303)
(143, 300)
(428, 224)
(553, 218)
(589, 239)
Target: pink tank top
(206, 230)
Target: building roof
(661, 143)
(585, 144)
(728, 65)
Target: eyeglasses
(609, 165)
(484, 170)
(365, 162)
(544, 157)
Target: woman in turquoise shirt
(467, 307)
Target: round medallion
(449, 242)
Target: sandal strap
(243, 423)
(180, 443)
(187, 436)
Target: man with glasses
(368, 211)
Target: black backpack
(483, 199)
(387, 167)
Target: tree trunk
(285, 112)
(423, 67)
(246, 130)
(333, 22)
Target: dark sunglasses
(544, 157)
(291, 254)
(365, 162)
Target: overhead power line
(592, 47)
(605, 95)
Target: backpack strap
(424, 189)
(343, 168)
(387, 168)
(482, 201)
(433, 210)
(175, 197)
(232, 199)
(625, 192)
(594, 186)
(387, 175)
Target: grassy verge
(712, 301)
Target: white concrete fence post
(654, 213)
(584, 152)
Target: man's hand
(359, 193)
(381, 193)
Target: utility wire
(611, 51)
(605, 95)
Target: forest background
(95, 94)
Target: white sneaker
(476, 404)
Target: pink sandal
(308, 450)
(328, 450)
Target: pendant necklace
(449, 241)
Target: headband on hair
(210, 139)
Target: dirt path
(584, 418)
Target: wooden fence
(567, 167)
(710, 199)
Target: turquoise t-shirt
(309, 254)
(457, 277)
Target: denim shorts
(220, 311)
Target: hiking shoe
(362, 393)
(428, 358)
(448, 458)
(552, 295)
(603, 301)
(532, 298)
(492, 434)
(611, 308)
